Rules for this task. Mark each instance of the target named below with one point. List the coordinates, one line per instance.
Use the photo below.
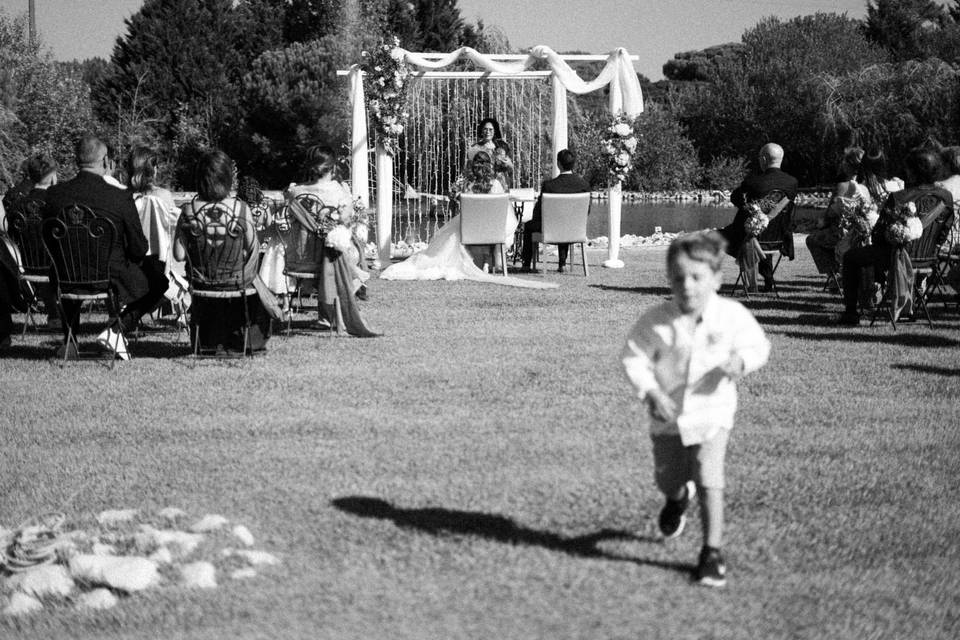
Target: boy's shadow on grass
(438, 521)
(650, 291)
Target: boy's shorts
(674, 463)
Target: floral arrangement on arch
(906, 226)
(387, 75)
(756, 220)
(618, 146)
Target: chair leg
(337, 318)
(736, 283)
(503, 259)
(583, 256)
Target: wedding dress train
(446, 259)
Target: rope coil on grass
(34, 543)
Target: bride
(445, 258)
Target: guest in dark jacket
(139, 290)
(566, 182)
(754, 187)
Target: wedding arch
(625, 99)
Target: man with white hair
(755, 187)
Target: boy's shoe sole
(668, 529)
(711, 569)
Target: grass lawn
(480, 471)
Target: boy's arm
(636, 357)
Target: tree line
(257, 79)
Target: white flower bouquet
(619, 146)
(756, 220)
(906, 226)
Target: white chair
(485, 219)
(563, 221)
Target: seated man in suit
(566, 182)
(139, 288)
(755, 187)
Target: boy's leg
(709, 475)
(672, 474)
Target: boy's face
(692, 282)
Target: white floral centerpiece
(619, 145)
(387, 75)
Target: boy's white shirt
(669, 350)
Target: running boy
(684, 357)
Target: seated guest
(320, 179)
(848, 193)
(876, 178)
(481, 177)
(754, 187)
(566, 182)
(951, 160)
(42, 174)
(923, 167)
(139, 290)
(221, 320)
(20, 189)
(10, 293)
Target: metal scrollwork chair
(218, 249)
(924, 257)
(24, 224)
(80, 244)
(773, 240)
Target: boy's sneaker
(672, 519)
(711, 569)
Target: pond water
(415, 219)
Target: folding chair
(564, 221)
(218, 248)
(306, 244)
(24, 223)
(924, 256)
(773, 240)
(80, 244)
(484, 219)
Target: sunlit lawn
(480, 471)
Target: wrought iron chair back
(305, 246)
(80, 244)
(778, 206)
(932, 211)
(24, 223)
(216, 247)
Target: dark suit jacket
(563, 183)
(116, 205)
(755, 187)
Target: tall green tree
(906, 28)
(441, 25)
(177, 66)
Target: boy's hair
(566, 160)
(702, 246)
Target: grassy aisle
(480, 472)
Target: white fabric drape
(625, 96)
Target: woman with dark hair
(848, 194)
(322, 207)
(951, 161)
(221, 319)
(490, 139)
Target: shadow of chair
(564, 221)
(305, 247)
(924, 256)
(776, 240)
(24, 224)
(218, 248)
(484, 220)
(80, 244)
